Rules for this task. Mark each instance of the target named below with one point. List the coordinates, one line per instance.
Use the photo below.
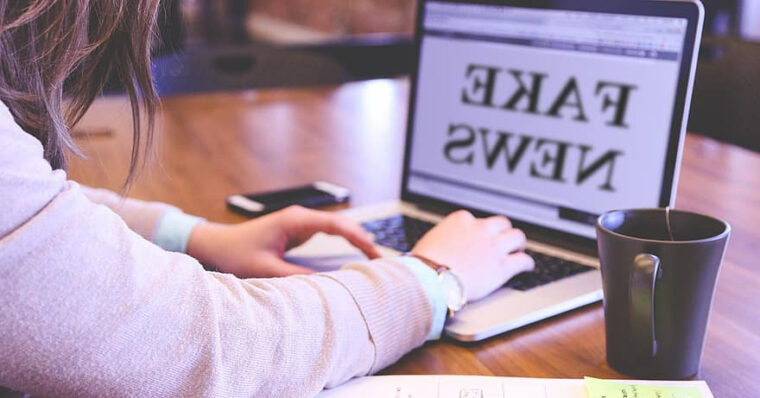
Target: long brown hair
(56, 56)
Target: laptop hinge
(565, 241)
(439, 209)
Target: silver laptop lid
(550, 112)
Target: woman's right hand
(484, 253)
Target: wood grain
(214, 145)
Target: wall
(342, 16)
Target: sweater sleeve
(141, 216)
(90, 308)
(163, 224)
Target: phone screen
(315, 195)
(305, 196)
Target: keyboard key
(548, 269)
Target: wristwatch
(453, 289)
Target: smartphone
(317, 194)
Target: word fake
(544, 158)
(482, 83)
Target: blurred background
(209, 45)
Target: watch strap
(440, 269)
(437, 267)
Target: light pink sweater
(89, 307)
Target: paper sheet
(615, 389)
(480, 387)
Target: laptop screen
(547, 116)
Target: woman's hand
(255, 249)
(484, 253)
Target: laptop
(548, 112)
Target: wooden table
(214, 145)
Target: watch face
(453, 291)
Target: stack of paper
(503, 387)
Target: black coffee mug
(659, 271)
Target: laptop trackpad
(324, 253)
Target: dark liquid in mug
(684, 227)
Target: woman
(113, 301)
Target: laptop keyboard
(398, 232)
(548, 269)
(402, 232)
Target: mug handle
(646, 271)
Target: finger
(280, 268)
(512, 240)
(354, 234)
(516, 263)
(313, 221)
(302, 223)
(461, 215)
(497, 224)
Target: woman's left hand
(255, 249)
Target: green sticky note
(597, 388)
